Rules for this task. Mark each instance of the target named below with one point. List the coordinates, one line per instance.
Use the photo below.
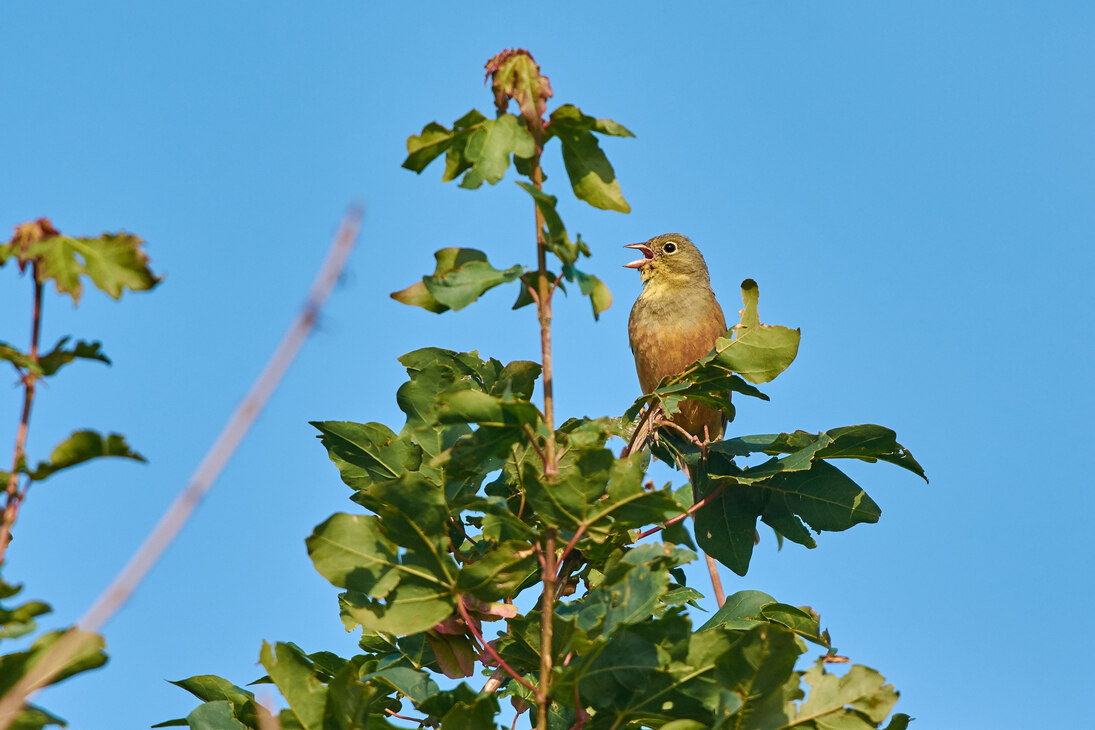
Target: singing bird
(675, 321)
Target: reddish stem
(691, 510)
(14, 496)
(570, 546)
(490, 649)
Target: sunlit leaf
(83, 446)
(293, 673)
(461, 276)
(591, 174)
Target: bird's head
(670, 258)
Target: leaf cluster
(113, 261)
(478, 505)
(456, 508)
(478, 150)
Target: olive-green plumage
(675, 321)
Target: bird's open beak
(648, 255)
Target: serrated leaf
(83, 446)
(60, 355)
(836, 702)
(113, 262)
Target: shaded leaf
(60, 356)
(367, 452)
(215, 715)
(351, 552)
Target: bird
(674, 322)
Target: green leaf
(18, 358)
(113, 262)
(741, 610)
(350, 552)
(351, 704)
(599, 295)
(803, 621)
(293, 673)
(757, 352)
(472, 406)
(89, 655)
(211, 688)
(558, 241)
(574, 498)
(591, 174)
(408, 681)
(859, 699)
(461, 276)
(423, 148)
(824, 497)
(19, 621)
(367, 453)
(490, 146)
(462, 708)
(412, 515)
(35, 718)
(456, 159)
(60, 356)
(869, 443)
(214, 716)
(726, 526)
(83, 446)
(499, 572)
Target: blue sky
(909, 183)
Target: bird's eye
(669, 247)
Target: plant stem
(462, 609)
(543, 314)
(547, 619)
(30, 379)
